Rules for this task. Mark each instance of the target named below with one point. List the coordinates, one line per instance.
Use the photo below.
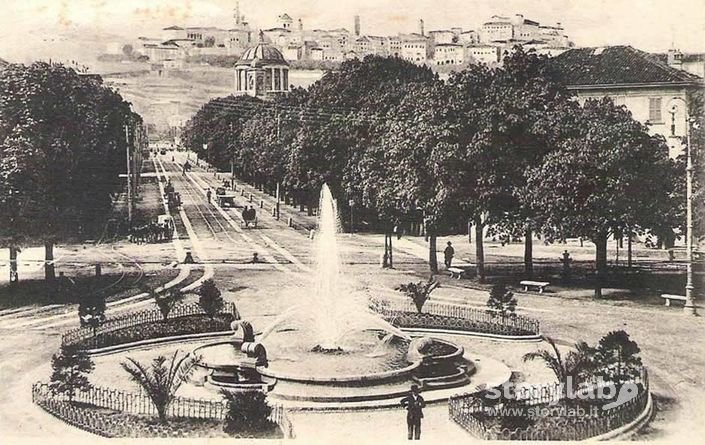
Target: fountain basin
(231, 368)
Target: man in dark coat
(414, 405)
(449, 253)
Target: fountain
(331, 347)
(331, 311)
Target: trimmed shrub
(248, 414)
(210, 298)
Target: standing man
(449, 253)
(414, 405)
(208, 195)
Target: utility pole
(690, 307)
(689, 297)
(129, 177)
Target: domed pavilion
(262, 71)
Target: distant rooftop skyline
(650, 25)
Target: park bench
(669, 297)
(456, 272)
(541, 285)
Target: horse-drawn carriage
(173, 200)
(224, 198)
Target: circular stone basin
(363, 357)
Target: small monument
(565, 272)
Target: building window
(655, 116)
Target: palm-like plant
(570, 370)
(162, 379)
(419, 292)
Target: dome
(262, 54)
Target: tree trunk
(629, 249)
(469, 231)
(600, 262)
(14, 276)
(391, 251)
(528, 254)
(479, 251)
(432, 257)
(49, 271)
(385, 256)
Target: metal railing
(403, 313)
(80, 411)
(130, 319)
(465, 410)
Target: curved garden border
(126, 403)
(616, 422)
(454, 318)
(132, 319)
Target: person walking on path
(449, 253)
(208, 195)
(414, 405)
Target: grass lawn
(71, 290)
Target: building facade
(262, 72)
(650, 89)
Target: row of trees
(63, 140)
(506, 148)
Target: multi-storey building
(415, 48)
(653, 91)
(448, 54)
(443, 36)
(487, 54)
(498, 28)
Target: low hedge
(110, 423)
(412, 320)
(190, 324)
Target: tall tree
(504, 127)
(62, 142)
(607, 174)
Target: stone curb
(518, 338)
(624, 432)
(155, 341)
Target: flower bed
(403, 314)
(111, 423)
(564, 419)
(135, 326)
(433, 321)
(112, 413)
(190, 324)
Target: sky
(33, 28)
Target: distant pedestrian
(449, 253)
(208, 195)
(414, 405)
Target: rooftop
(617, 65)
(173, 28)
(262, 54)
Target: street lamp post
(129, 176)
(690, 307)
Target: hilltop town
(455, 46)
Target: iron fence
(130, 319)
(464, 409)
(81, 412)
(403, 313)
